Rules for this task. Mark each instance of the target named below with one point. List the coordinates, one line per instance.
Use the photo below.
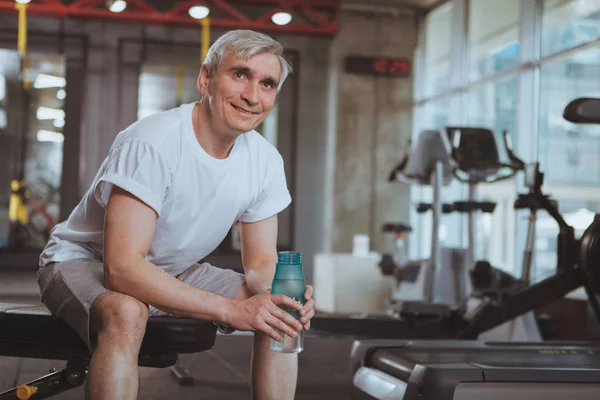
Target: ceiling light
(23, 1)
(47, 81)
(49, 113)
(281, 18)
(199, 12)
(49, 136)
(59, 123)
(61, 94)
(117, 6)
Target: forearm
(151, 285)
(259, 279)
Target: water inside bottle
(294, 289)
(289, 344)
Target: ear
(203, 79)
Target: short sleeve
(138, 168)
(273, 198)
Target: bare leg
(274, 375)
(120, 321)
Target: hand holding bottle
(264, 313)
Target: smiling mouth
(242, 110)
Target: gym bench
(33, 332)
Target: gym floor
(221, 373)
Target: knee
(120, 315)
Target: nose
(250, 93)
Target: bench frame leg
(182, 374)
(72, 376)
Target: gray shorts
(69, 288)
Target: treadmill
(470, 369)
(466, 370)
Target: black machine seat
(31, 331)
(459, 370)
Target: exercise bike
(421, 286)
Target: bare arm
(259, 257)
(128, 232)
(259, 253)
(129, 228)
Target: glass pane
(568, 152)
(568, 23)
(433, 115)
(31, 146)
(493, 106)
(493, 36)
(438, 33)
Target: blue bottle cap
(289, 257)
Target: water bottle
(289, 281)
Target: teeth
(242, 110)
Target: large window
(566, 24)
(493, 36)
(493, 106)
(524, 61)
(569, 153)
(437, 51)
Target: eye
(240, 74)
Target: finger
(307, 326)
(308, 316)
(310, 304)
(286, 318)
(281, 326)
(280, 299)
(269, 331)
(309, 292)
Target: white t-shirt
(196, 196)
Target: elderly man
(168, 192)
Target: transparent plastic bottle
(289, 281)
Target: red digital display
(378, 66)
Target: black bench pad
(33, 332)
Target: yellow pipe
(179, 81)
(205, 22)
(22, 41)
(17, 205)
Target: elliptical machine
(430, 287)
(476, 160)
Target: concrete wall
(373, 127)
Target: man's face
(242, 93)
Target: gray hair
(245, 44)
